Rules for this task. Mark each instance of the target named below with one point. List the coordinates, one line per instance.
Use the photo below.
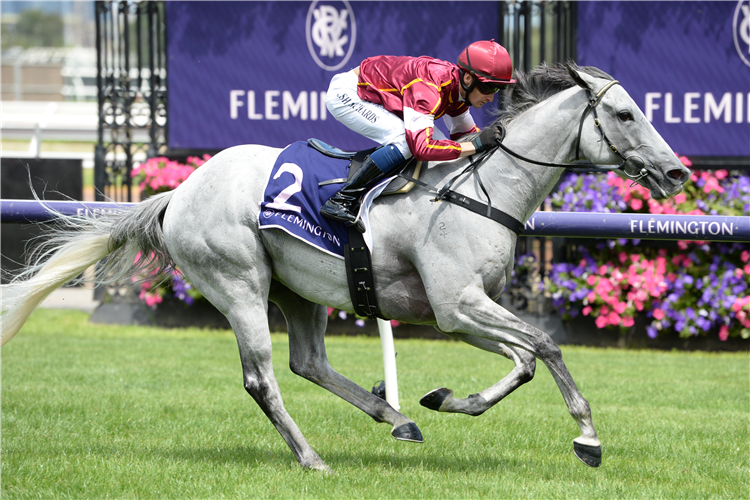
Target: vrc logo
(741, 30)
(329, 30)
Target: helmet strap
(468, 88)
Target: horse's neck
(545, 133)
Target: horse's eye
(625, 116)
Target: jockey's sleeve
(460, 125)
(421, 99)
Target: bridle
(486, 209)
(594, 101)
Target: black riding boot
(344, 205)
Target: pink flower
(602, 288)
(658, 314)
(637, 204)
(745, 256)
(627, 321)
(613, 318)
(723, 333)
(712, 184)
(591, 280)
(684, 160)
(151, 299)
(601, 322)
(620, 307)
(395, 323)
(330, 310)
(680, 199)
(740, 303)
(587, 310)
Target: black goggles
(487, 88)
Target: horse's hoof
(435, 399)
(408, 432)
(324, 469)
(317, 465)
(590, 455)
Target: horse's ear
(582, 79)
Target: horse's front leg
(442, 399)
(470, 311)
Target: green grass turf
(94, 411)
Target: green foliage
(34, 28)
(98, 411)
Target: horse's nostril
(675, 174)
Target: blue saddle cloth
(292, 198)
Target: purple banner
(686, 64)
(257, 72)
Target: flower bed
(159, 175)
(687, 288)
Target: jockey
(394, 100)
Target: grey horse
(434, 263)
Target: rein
(485, 209)
(594, 101)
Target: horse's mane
(539, 84)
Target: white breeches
(367, 118)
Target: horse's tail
(133, 239)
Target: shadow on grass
(368, 459)
(239, 455)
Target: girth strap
(485, 210)
(359, 276)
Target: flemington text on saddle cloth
(292, 198)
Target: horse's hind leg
(306, 323)
(239, 289)
(442, 399)
(250, 326)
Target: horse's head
(614, 131)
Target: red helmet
(488, 61)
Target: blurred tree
(34, 28)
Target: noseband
(594, 101)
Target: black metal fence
(535, 32)
(132, 92)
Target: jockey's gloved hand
(489, 138)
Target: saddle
(399, 185)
